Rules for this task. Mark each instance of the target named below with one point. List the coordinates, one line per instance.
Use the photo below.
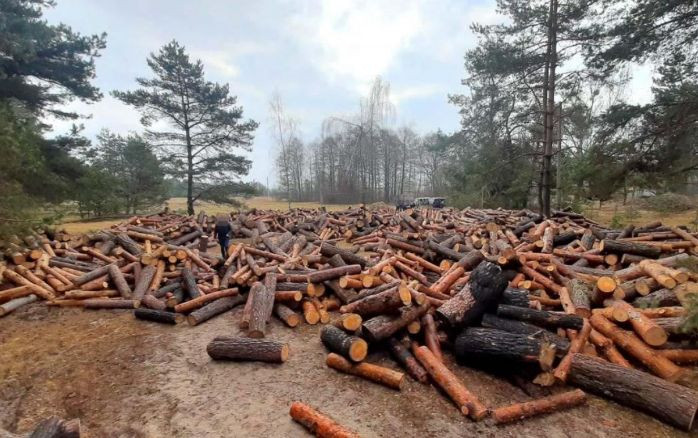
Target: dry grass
(628, 214)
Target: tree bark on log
(382, 327)
(625, 247)
(319, 424)
(143, 283)
(158, 316)
(330, 250)
(497, 345)
(233, 348)
(214, 308)
(487, 283)
(385, 376)
(333, 273)
(338, 341)
(403, 356)
(524, 328)
(285, 314)
(541, 317)
(520, 411)
(16, 303)
(384, 302)
(117, 277)
(666, 401)
(467, 403)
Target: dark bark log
(232, 348)
(625, 247)
(158, 316)
(330, 250)
(345, 295)
(666, 401)
(213, 309)
(339, 342)
(487, 283)
(382, 327)
(117, 277)
(403, 356)
(333, 273)
(515, 297)
(189, 282)
(185, 238)
(129, 244)
(540, 317)
(490, 344)
(144, 281)
(524, 328)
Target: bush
(668, 203)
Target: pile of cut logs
(567, 300)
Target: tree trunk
(669, 402)
(339, 342)
(232, 348)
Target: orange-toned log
(627, 341)
(659, 273)
(447, 280)
(680, 357)
(464, 399)
(375, 373)
(203, 299)
(21, 281)
(318, 423)
(608, 348)
(431, 338)
(647, 329)
(520, 411)
(576, 346)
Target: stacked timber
(494, 287)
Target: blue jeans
(223, 242)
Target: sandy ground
(128, 378)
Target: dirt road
(127, 378)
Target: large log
(490, 344)
(384, 302)
(262, 304)
(540, 317)
(144, 281)
(338, 341)
(625, 247)
(234, 348)
(189, 282)
(214, 308)
(16, 303)
(666, 401)
(319, 424)
(333, 273)
(524, 328)
(117, 277)
(638, 349)
(487, 283)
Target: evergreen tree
(207, 126)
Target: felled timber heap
(564, 299)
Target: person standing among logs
(223, 229)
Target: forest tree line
(192, 143)
(545, 120)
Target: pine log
(234, 348)
(318, 423)
(338, 341)
(431, 339)
(384, 376)
(384, 302)
(520, 411)
(330, 250)
(524, 328)
(151, 302)
(515, 297)
(285, 314)
(158, 316)
(117, 277)
(541, 317)
(382, 327)
(106, 303)
(144, 281)
(189, 282)
(16, 303)
(333, 273)
(466, 402)
(497, 345)
(625, 247)
(195, 303)
(638, 349)
(403, 356)
(666, 401)
(214, 308)
(486, 286)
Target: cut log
(234, 348)
(541, 317)
(262, 304)
(625, 247)
(117, 277)
(382, 327)
(466, 402)
(384, 376)
(158, 316)
(666, 401)
(189, 282)
(349, 322)
(524, 328)
(403, 356)
(338, 341)
(384, 302)
(285, 314)
(195, 303)
(143, 283)
(16, 303)
(330, 250)
(489, 344)
(520, 411)
(486, 286)
(106, 303)
(214, 308)
(638, 349)
(319, 424)
(333, 273)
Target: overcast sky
(319, 55)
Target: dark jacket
(222, 230)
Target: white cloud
(357, 41)
(415, 92)
(108, 113)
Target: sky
(319, 55)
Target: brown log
(144, 280)
(380, 303)
(403, 356)
(384, 376)
(21, 281)
(285, 314)
(16, 303)
(666, 401)
(200, 301)
(117, 277)
(520, 411)
(333, 273)
(262, 302)
(638, 349)
(234, 348)
(214, 308)
(648, 330)
(310, 313)
(466, 402)
(318, 423)
(338, 341)
(382, 327)
(107, 303)
(431, 338)
(576, 346)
